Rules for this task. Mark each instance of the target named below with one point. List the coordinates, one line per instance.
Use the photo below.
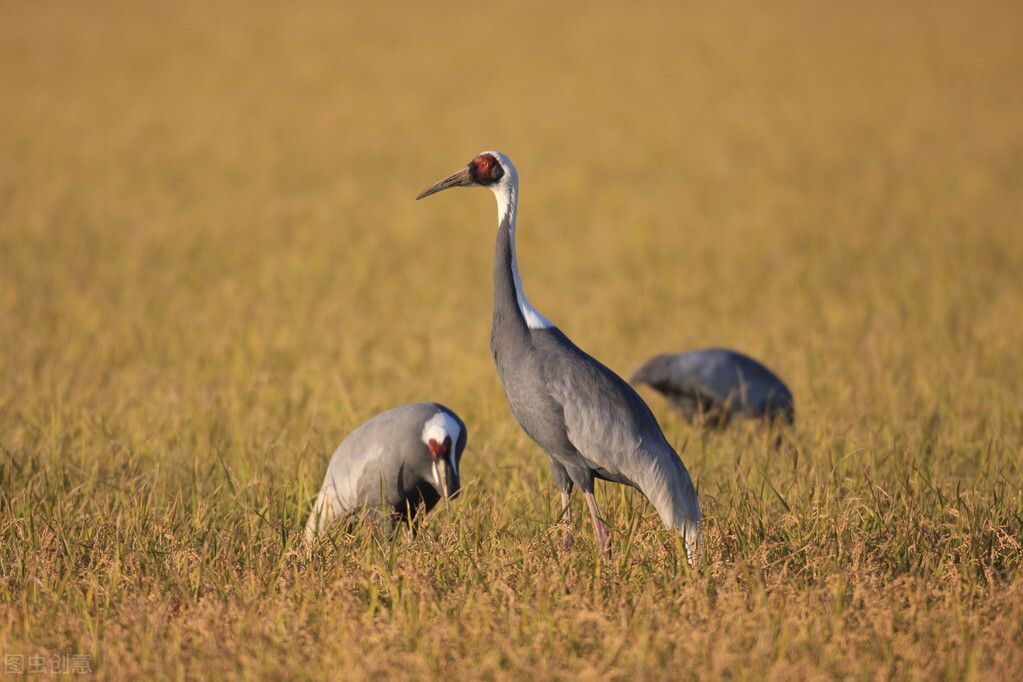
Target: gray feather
(718, 383)
(588, 420)
(383, 468)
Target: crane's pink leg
(599, 527)
(567, 540)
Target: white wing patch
(534, 320)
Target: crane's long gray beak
(459, 179)
(445, 478)
(440, 474)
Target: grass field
(212, 269)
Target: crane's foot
(567, 538)
(605, 543)
(603, 537)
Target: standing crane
(589, 421)
(715, 384)
(390, 466)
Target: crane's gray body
(589, 421)
(716, 384)
(384, 467)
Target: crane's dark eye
(485, 170)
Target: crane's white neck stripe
(506, 210)
(438, 427)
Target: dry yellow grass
(212, 268)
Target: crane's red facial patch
(440, 449)
(485, 169)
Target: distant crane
(390, 466)
(715, 384)
(589, 421)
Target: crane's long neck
(512, 312)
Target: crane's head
(489, 169)
(444, 438)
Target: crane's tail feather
(667, 485)
(317, 519)
(692, 534)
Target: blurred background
(210, 249)
(206, 202)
